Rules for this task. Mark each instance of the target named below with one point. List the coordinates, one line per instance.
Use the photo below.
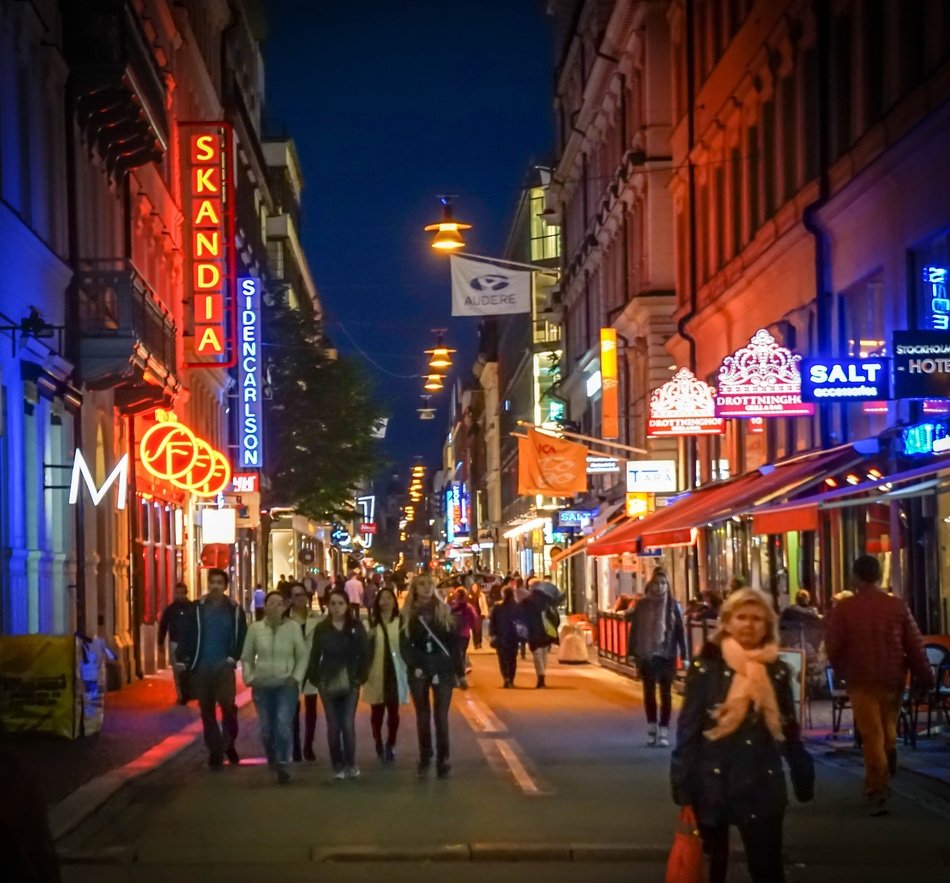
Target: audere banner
(483, 289)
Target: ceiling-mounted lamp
(447, 237)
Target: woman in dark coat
(657, 636)
(542, 621)
(738, 721)
(507, 629)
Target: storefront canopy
(675, 524)
(802, 514)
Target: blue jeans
(340, 712)
(275, 711)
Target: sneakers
(664, 739)
(233, 757)
(651, 736)
(352, 772)
(339, 774)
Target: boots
(540, 684)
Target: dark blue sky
(392, 102)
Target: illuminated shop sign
(245, 483)
(935, 305)
(209, 224)
(651, 476)
(636, 505)
(609, 399)
(602, 465)
(851, 380)
(249, 373)
(684, 406)
(118, 477)
(921, 365)
(575, 518)
(761, 380)
(173, 453)
(456, 511)
(924, 439)
(366, 506)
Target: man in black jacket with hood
(211, 643)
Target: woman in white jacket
(388, 684)
(274, 662)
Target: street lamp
(433, 382)
(440, 353)
(447, 237)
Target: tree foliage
(319, 420)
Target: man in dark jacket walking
(872, 640)
(211, 643)
(171, 625)
(507, 629)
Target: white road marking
(503, 756)
(480, 717)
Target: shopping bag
(685, 864)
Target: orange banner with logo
(609, 396)
(551, 466)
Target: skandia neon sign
(209, 223)
(249, 374)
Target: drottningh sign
(209, 223)
(761, 379)
(249, 374)
(684, 406)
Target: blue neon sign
(925, 439)
(249, 374)
(846, 380)
(935, 305)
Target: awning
(722, 500)
(802, 514)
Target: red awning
(713, 503)
(785, 520)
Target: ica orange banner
(551, 466)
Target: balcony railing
(118, 317)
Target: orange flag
(551, 466)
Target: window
(736, 205)
(545, 240)
(865, 333)
(768, 159)
(841, 85)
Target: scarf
(751, 687)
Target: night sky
(390, 104)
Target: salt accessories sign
(685, 406)
(851, 380)
(761, 380)
(171, 452)
(249, 374)
(575, 518)
(209, 223)
(484, 289)
(651, 476)
(921, 365)
(609, 396)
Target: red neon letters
(173, 453)
(208, 157)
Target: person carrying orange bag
(685, 864)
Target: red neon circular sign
(172, 452)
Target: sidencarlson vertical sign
(210, 230)
(249, 373)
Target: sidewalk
(136, 718)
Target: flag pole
(587, 438)
(538, 268)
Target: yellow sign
(39, 678)
(637, 504)
(609, 398)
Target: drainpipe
(811, 220)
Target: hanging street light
(441, 355)
(433, 382)
(447, 237)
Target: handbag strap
(434, 637)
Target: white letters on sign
(120, 474)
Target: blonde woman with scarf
(738, 721)
(657, 636)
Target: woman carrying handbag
(387, 683)
(430, 649)
(737, 723)
(338, 668)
